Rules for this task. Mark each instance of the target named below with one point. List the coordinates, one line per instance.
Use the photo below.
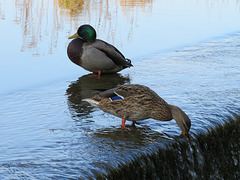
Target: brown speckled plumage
(139, 102)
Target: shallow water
(47, 132)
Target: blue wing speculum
(113, 98)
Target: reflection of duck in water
(132, 135)
(94, 54)
(138, 102)
(87, 87)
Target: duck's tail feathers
(129, 63)
(91, 101)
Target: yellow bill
(73, 36)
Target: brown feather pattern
(138, 103)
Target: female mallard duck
(94, 54)
(137, 102)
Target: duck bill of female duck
(181, 118)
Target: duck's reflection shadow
(86, 87)
(137, 135)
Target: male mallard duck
(137, 102)
(94, 54)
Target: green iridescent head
(86, 32)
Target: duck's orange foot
(95, 75)
(92, 75)
(123, 124)
(99, 73)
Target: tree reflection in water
(42, 21)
